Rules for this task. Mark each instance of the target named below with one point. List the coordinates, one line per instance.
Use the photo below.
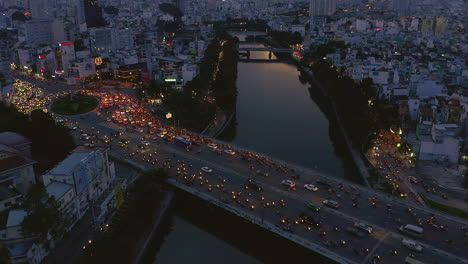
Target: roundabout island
(75, 104)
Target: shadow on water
(337, 139)
(252, 240)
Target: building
(39, 32)
(104, 40)
(93, 14)
(65, 54)
(16, 169)
(322, 7)
(443, 144)
(42, 8)
(400, 6)
(79, 180)
(441, 26)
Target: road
(235, 171)
(230, 173)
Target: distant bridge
(278, 50)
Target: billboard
(89, 168)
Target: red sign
(66, 44)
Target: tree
(44, 216)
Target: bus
(410, 260)
(182, 141)
(412, 230)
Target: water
(277, 116)
(189, 244)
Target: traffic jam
(296, 203)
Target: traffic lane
(373, 215)
(232, 159)
(293, 208)
(241, 181)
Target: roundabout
(75, 105)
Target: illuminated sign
(98, 61)
(66, 44)
(41, 57)
(58, 72)
(170, 80)
(42, 70)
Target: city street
(236, 171)
(223, 172)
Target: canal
(281, 115)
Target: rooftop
(13, 139)
(7, 193)
(67, 165)
(19, 249)
(58, 189)
(16, 217)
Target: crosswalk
(112, 126)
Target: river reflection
(276, 115)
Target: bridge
(278, 50)
(278, 209)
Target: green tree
(44, 216)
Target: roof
(58, 189)
(13, 139)
(16, 217)
(14, 162)
(19, 249)
(7, 193)
(67, 166)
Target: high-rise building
(182, 5)
(93, 14)
(401, 6)
(322, 7)
(42, 8)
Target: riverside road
(282, 206)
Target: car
(230, 151)
(412, 245)
(363, 227)
(309, 219)
(212, 146)
(121, 144)
(288, 183)
(355, 232)
(414, 180)
(311, 187)
(206, 169)
(313, 207)
(146, 143)
(259, 172)
(331, 203)
(251, 184)
(465, 230)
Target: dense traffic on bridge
(359, 224)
